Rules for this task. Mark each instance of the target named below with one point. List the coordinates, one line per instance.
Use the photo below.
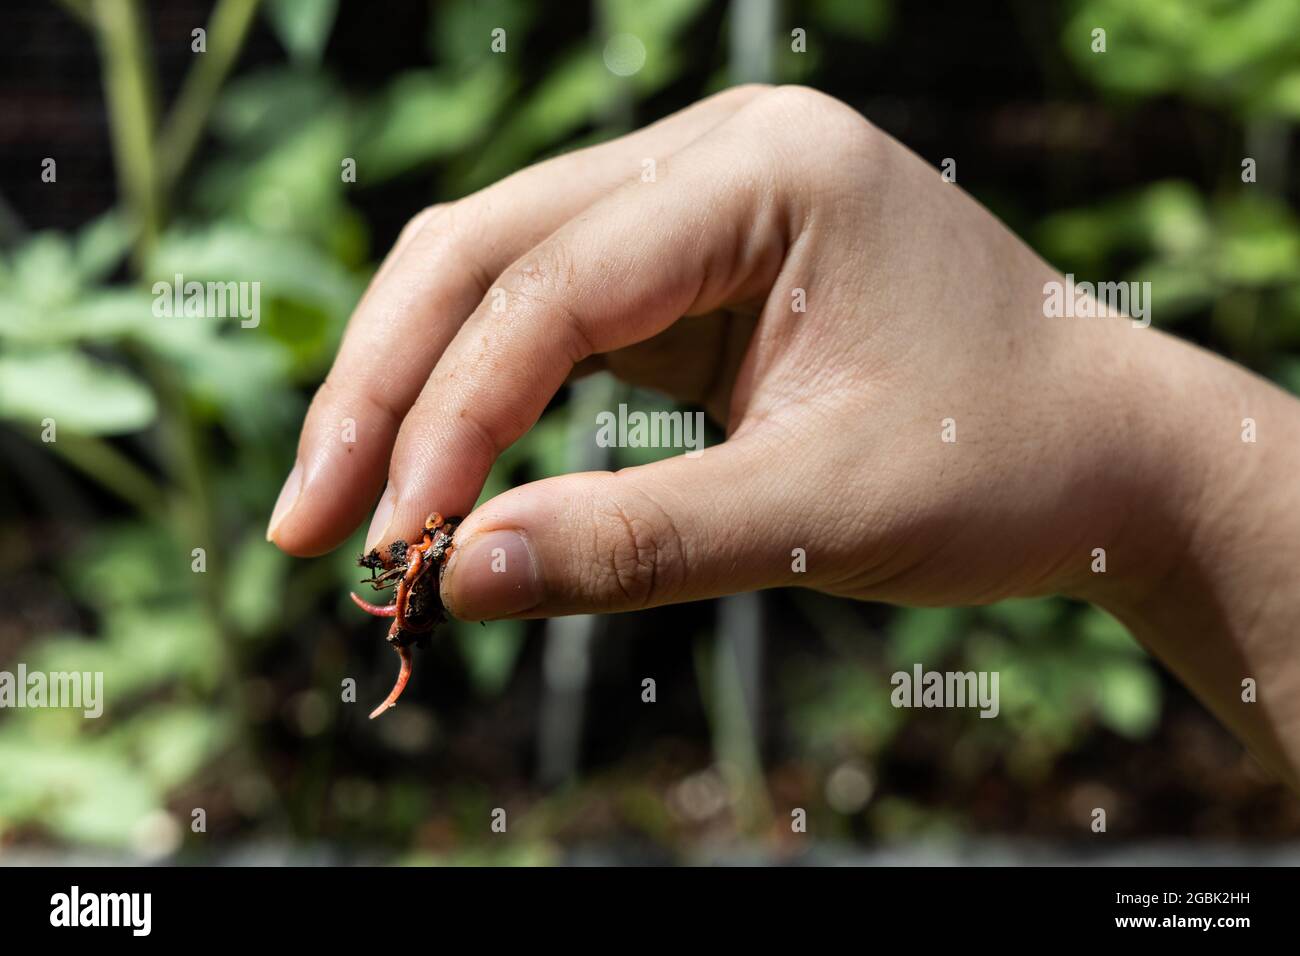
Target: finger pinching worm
(417, 606)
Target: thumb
(682, 529)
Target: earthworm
(403, 675)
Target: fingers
(705, 233)
(683, 529)
(439, 270)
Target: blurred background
(223, 687)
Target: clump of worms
(415, 570)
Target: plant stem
(735, 710)
(193, 517)
(130, 87)
(180, 134)
(116, 472)
(144, 181)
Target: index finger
(699, 237)
(441, 268)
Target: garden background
(223, 686)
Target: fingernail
(492, 575)
(288, 498)
(382, 519)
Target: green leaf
(1260, 243)
(840, 710)
(426, 115)
(1128, 699)
(234, 374)
(1033, 617)
(80, 792)
(126, 564)
(291, 185)
(255, 582)
(657, 24)
(859, 19)
(1179, 286)
(923, 635)
(101, 245)
(303, 26)
(1103, 632)
(575, 89)
(260, 108)
(45, 270)
(93, 316)
(462, 29)
(79, 393)
(1284, 98)
(651, 21)
(172, 744)
(547, 448)
(1227, 54)
(144, 649)
(1173, 216)
(162, 646)
(283, 265)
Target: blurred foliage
(1241, 55)
(182, 431)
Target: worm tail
(388, 610)
(403, 675)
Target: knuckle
(809, 141)
(795, 96)
(451, 232)
(337, 405)
(642, 555)
(839, 128)
(547, 272)
(422, 219)
(431, 231)
(388, 409)
(488, 437)
(745, 93)
(548, 280)
(444, 228)
(802, 101)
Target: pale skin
(1072, 434)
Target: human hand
(924, 322)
